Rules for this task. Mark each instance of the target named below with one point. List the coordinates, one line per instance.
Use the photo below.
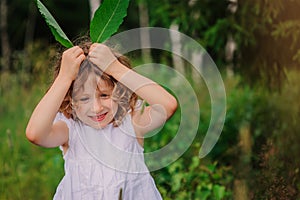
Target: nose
(97, 106)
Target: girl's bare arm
(162, 105)
(40, 129)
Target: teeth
(99, 117)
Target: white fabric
(99, 163)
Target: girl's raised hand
(101, 56)
(70, 63)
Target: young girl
(91, 111)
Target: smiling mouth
(99, 118)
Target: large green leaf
(107, 19)
(58, 33)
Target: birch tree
(94, 4)
(144, 34)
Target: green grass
(27, 171)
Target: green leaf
(107, 19)
(219, 192)
(58, 33)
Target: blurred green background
(254, 43)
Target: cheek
(80, 110)
(115, 107)
(112, 105)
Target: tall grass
(27, 171)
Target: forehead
(93, 84)
(96, 83)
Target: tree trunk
(30, 25)
(197, 71)
(29, 34)
(241, 190)
(229, 53)
(176, 47)
(94, 5)
(230, 44)
(145, 36)
(5, 47)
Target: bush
(278, 161)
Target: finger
(93, 46)
(97, 49)
(78, 51)
(80, 59)
(74, 48)
(92, 54)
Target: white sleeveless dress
(104, 164)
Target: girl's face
(93, 104)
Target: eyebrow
(105, 89)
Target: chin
(99, 126)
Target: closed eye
(84, 99)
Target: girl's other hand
(70, 63)
(101, 56)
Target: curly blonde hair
(123, 96)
